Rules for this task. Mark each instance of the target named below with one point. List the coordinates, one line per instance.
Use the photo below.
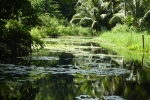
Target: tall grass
(126, 41)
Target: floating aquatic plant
(88, 97)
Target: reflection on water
(78, 75)
(56, 87)
(16, 91)
(59, 86)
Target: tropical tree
(95, 13)
(119, 12)
(46, 6)
(86, 13)
(138, 10)
(57, 8)
(16, 19)
(66, 8)
(107, 13)
(145, 20)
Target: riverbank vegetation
(127, 41)
(118, 22)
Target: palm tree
(95, 13)
(107, 13)
(138, 9)
(145, 20)
(88, 13)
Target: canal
(74, 68)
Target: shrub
(120, 28)
(54, 27)
(50, 25)
(123, 28)
(75, 30)
(16, 41)
(38, 32)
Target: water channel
(74, 68)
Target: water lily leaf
(86, 97)
(40, 58)
(113, 98)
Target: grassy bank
(126, 42)
(123, 40)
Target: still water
(74, 69)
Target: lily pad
(95, 70)
(86, 97)
(112, 98)
(40, 58)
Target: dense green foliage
(23, 23)
(94, 14)
(55, 17)
(107, 13)
(67, 8)
(16, 18)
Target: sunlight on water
(80, 71)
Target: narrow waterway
(74, 68)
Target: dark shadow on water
(65, 58)
(15, 91)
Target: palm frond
(115, 19)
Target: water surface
(74, 68)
